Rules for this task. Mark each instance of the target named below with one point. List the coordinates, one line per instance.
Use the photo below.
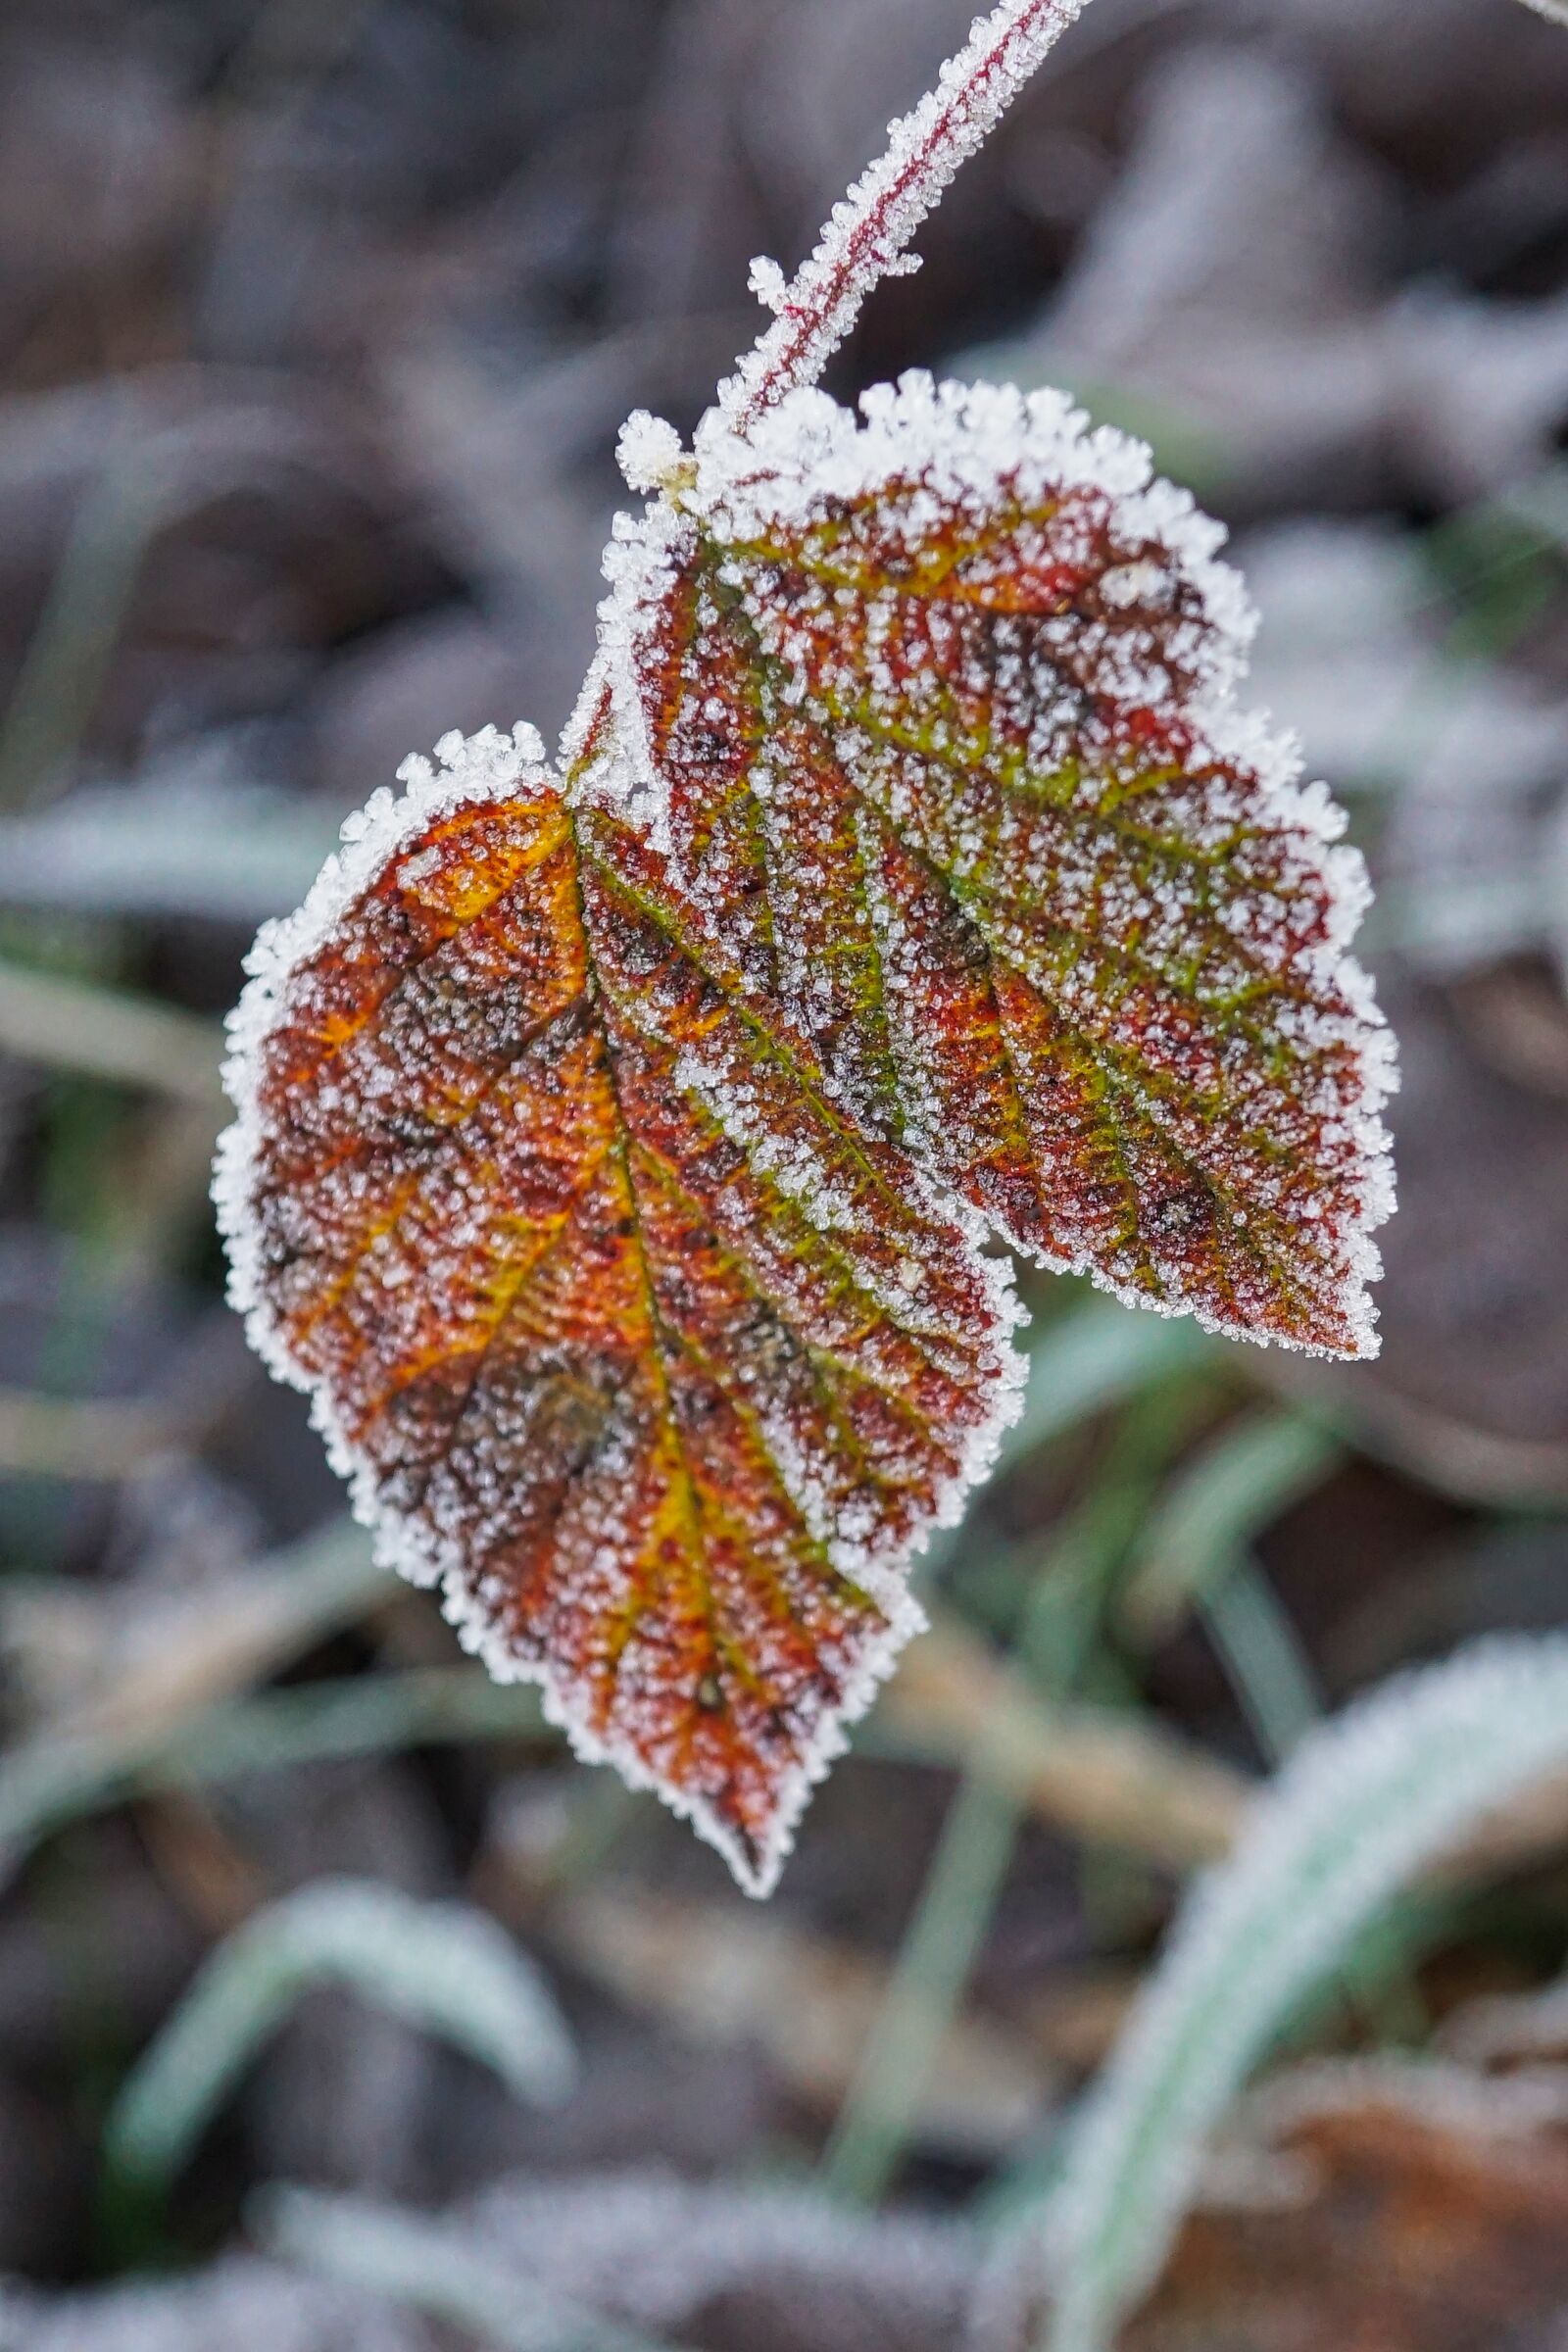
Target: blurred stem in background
(1194, 1556)
(1063, 1610)
(67, 662)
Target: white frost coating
(592, 704)
(800, 1182)
(1363, 1804)
(488, 766)
(767, 281)
(870, 227)
(491, 765)
(882, 1578)
(828, 1741)
(640, 565)
(967, 442)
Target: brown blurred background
(317, 319)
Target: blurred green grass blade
(1095, 1355)
(926, 1989)
(1064, 1604)
(1224, 1497)
(1365, 1801)
(67, 660)
(442, 1966)
(44, 1787)
(424, 2267)
(1262, 1659)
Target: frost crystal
(768, 282)
(648, 450)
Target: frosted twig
(873, 223)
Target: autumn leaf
(932, 713)
(620, 1330)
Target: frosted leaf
(932, 710)
(613, 1157)
(620, 1331)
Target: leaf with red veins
(621, 1330)
(942, 698)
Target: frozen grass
(1062, 1606)
(1366, 1801)
(443, 1967)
